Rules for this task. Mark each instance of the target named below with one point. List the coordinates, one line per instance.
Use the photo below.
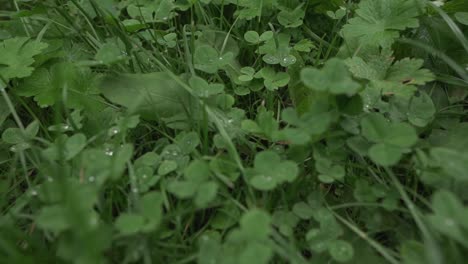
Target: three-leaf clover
(209, 60)
(20, 139)
(196, 184)
(146, 219)
(334, 78)
(204, 89)
(322, 238)
(390, 140)
(277, 51)
(291, 18)
(270, 171)
(250, 242)
(273, 80)
(265, 124)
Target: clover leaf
(208, 59)
(450, 216)
(265, 124)
(252, 37)
(270, 171)
(273, 80)
(146, 219)
(334, 77)
(320, 239)
(291, 18)
(391, 139)
(201, 87)
(341, 251)
(196, 184)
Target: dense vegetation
(233, 131)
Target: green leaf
(150, 206)
(378, 22)
(256, 224)
(206, 192)
(271, 171)
(256, 253)
(413, 252)
(462, 17)
(449, 216)
(74, 145)
(182, 189)
(198, 171)
(17, 56)
(47, 86)
(167, 167)
(207, 59)
(379, 130)
(318, 239)
(384, 154)
(188, 142)
(13, 136)
(408, 71)
(305, 45)
(129, 224)
(263, 182)
(341, 251)
(303, 210)
(334, 77)
(252, 37)
(421, 110)
(111, 52)
(291, 19)
(53, 218)
(452, 162)
(201, 88)
(154, 95)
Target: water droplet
(91, 178)
(289, 60)
(124, 53)
(109, 152)
(113, 131)
(144, 176)
(66, 127)
(230, 121)
(33, 192)
(13, 149)
(135, 190)
(50, 179)
(175, 153)
(164, 18)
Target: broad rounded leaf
(341, 251)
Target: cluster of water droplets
(113, 131)
(109, 152)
